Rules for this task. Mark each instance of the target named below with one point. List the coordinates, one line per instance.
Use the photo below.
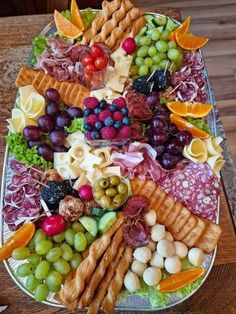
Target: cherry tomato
(87, 59)
(90, 67)
(88, 76)
(100, 63)
(96, 51)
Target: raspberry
(104, 114)
(91, 102)
(108, 133)
(120, 102)
(92, 119)
(117, 116)
(88, 136)
(124, 132)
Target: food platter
(125, 302)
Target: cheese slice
(112, 170)
(104, 93)
(61, 158)
(93, 176)
(34, 107)
(19, 121)
(216, 163)
(118, 53)
(68, 171)
(115, 81)
(74, 137)
(213, 145)
(122, 62)
(104, 153)
(90, 161)
(80, 181)
(78, 150)
(25, 92)
(196, 151)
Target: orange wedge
(20, 238)
(186, 109)
(75, 15)
(190, 42)
(182, 124)
(65, 27)
(180, 280)
(182, 29)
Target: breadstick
(116, 283)
(71, 289)
(102, 288)
(99, 272)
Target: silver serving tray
(133, 302)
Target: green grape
(155, 35)
(67, 252)
(69, 236)
(54, 289)
(139, 61)
(145, 41)
(24, 270)
(152, 51)
(41, 292)
(162, 55)
(39, 236)
(43, 247)
(148, 62)
(164, 64)
(42, 270)
(34, 259)
(78, 227)
(173, 54)
(89, 237)
(53, 254)
(54, 278)
(155, 67)
(161, 20)
(62, 266)
(143, 70)
(59, 237)
(172, 44)
(161, 46)
(173, 67)
(164, 35)
(143, 31)
(133, 70)
(21, 253)
(31, 245)
(156, 59)
(80, 242)
(31, 283)
(75, 261)
(137, 40)
(142, 51)
(179, 62)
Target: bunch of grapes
(50, 259)
(52, 124)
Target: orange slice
(20, 238)
(186, 109)
(182, 29)
(180, 280)
(190, 42)
(65, 27)
(182, 124)
(75, 15)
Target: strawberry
(91, 102)
(104, 114)
(124, 132)
(117, 116)
(92, 119)
(120, 102)
(108, 133)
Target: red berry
(124, 132)
(91, 102)
(104, 114)
(92, 119)
(108, 133)
(96, 51)
(90, 67)
(101, 63)
(87, 59)
(117, 116)
(88, 136)
(120, 102)
(129, 45)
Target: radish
(85, 192)
(53, 225)
(129, 45)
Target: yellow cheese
(196, 151)
(115, 81)
(104, 93)
(80, 181)
(90, 161)
(122, 62)
(19, 121)
(74, 137)
(117, 54)
(93, 176)
(34, 107)
(112, 170)
(61, 158)
(78, 150)
(24, 92)
(213, 145)
(104, 153)
(68, 171)
(216, 163)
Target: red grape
(173, 147)
(161, 115)
(96, 51)
(52, 95)
(100, 63)
(33, 143)
(52, 109)
(45, 151)
(159, 137)
(184, 138)
(59, 149)
(63, 120)
(172, 128)
(152, 100)
(32, 132)
(46, 124)
(168, 161)
(160, 149)
(57, 137)
(129, 45)
(158, 124)
(75, 112)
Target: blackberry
(142, 85)
(162, 80)
(54, 193)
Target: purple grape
(161, 115)
(52, 95)
(46, 124)
(57, 137)
(32, 132)
(159, 137)
(149, 133)
(45, 151)
(168, 161)
(172, 128)
(184, 138)
(63, 120)
(75, 112)
(157, 124)
(173, 147)
(152, 100)
(33, 143)
(52, 110)
(159, 149)
(59, 149)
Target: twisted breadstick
(102, 288)
(108, 8)
(99, 273)
(72, 288)
(116, 283)
(117, 16)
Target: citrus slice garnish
(75, 15)
(190, 42)
(182, 29)
(186, 109)
(65, 27)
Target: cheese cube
(115, 81)
(104, 93)
(68, 171)
(74, 137)
(93, 176)
(61, 158)
(90, 160)
(117, 54)
(113, 170)
(104, 153)
(123, 65)
(80, 181)
(78, 150)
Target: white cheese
(61, 158)
(115, 81)
(90, 161)
(78, 150)
(74, 137)
(68, 171)
(104, 93)
(104, 153)
(112, 170)
(80, 181)
(93, 176)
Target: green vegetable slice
(89, 224)
(106, 221)
(98, 211)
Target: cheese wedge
(112, 170)
(61, 158)
(68, 171)
(78, 150)
(216, 163)
(213, 145)
(90, 161)
(115, 81)
(104, 153)
(104, 93)
(74, 137)
(196, 151)
(80, 181)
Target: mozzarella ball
(152, 245)
(165, 248)
(173, 264)
(196, 256)
(152, 276)
(158, 232)
(142, 254)
(131, 281)
(138, 267)
(180, 249)
(168, 236)
(157, 260)
(150, 218)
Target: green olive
(105, 201)
(114, 180)
(98, 193)
(103, 183)
(122, 188)
(118, 200)
(111, 192)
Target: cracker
(209, 238)
(164, 209)
(67, 93)
(136, 185)
(169, 220)
(37, 80)
(157, 198)
(192, 237)
(148, 188)
(180, 220)
(42, 86)
(25, 77)
(73, 94)
(190, 224)
(83, 93)
(63, 88)
(51, 83)
(57, 85)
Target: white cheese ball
(152, 276)
(158, 232)
(138, 267)
(180, 249)
(157, 260)
(165, 248)
(173, 264)
(131, 281)
(168, 236)
(152, 245)
(142, 254)
(150, 218)
(196, 256)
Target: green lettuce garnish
(87, 17)
(77, 124)
(199, 123)
(39, 45)
(20, 150)
(66, 14)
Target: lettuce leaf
(87, 16)
(77, 124)
(199, 123)
(39, 45)
(66, 14)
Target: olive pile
(110, 192)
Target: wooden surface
(218, 293)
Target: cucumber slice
(106, 221)
(99, 212)
(149, 17)
(160, 28)
(171, 25)
(89, 224)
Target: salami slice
(30, 190)
(12, 188)
(17, 166)
(8, 198)
(20, 180)
(8, 209)
(36, 173)
(11, 217)
(18, 197)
